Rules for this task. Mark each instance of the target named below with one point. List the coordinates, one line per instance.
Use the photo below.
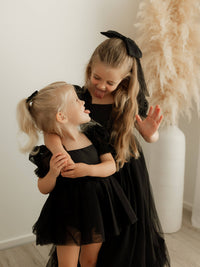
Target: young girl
(115, 93)
(81, 212)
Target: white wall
(191, 130)
(41, 42)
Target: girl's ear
(60, 117)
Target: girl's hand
(57, 162)
(149, 126)
(76, 170)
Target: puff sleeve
(100, 138)
(40, 156)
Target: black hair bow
(134, 51)
(31, 96)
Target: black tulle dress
(83, 210)
(141, 244)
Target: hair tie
(31, 96)
(133, 51)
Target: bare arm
(53, 143)
(47, 183)
(106, 168)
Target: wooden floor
(184, 249)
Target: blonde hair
(113, 53)
(39, 113)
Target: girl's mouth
(99, 93)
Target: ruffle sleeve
(40, 156)
(100, 138)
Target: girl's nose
(101, 86)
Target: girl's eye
(110, 83)
(96, 78)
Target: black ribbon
(31, 96)
(133, 51)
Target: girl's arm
(148, 127)
(48, 182)
(53, 143)
(106, 168)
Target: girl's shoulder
(99, 136)
(94, 130)
(40, 156)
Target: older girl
(115, 92)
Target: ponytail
(38, 112)
(26, 125)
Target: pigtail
(26, 125)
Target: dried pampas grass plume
(169, 36)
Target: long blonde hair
(39, 113)
(113, 53)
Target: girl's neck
(75, 139)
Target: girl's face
(104, 80)
(76, 112)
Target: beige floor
(184, 246)
(184, 249)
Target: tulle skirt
(141, 244)
(83, 211)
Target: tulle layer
(83, 211)
(141, 244)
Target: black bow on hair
(31, 96)
(133, 51)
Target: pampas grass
(169, 36)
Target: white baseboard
(17, 241)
